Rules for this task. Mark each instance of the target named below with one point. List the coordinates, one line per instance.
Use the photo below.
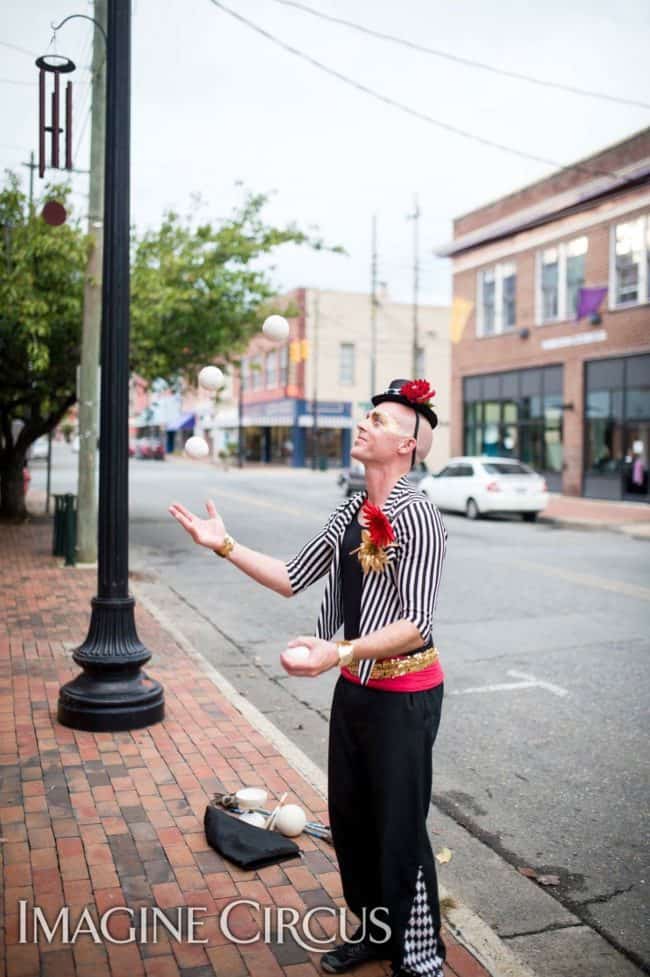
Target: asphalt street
(541, 760)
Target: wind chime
(54, 64)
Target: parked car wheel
(530, 516)
(472, 510)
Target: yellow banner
(461, 310)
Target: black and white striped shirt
(408, 587)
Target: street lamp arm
(99, 27)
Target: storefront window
(510, 412)
(617, 427)
(553, 449)
(552, 409)
(637, 403)
(473, 413)
(329, 444)
(517, 415)
(604, 442)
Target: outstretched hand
(206, 532)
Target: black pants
(380, 771)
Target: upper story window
(497, 299)
(346, 363)
(629, 267)
(255, 373)
(272, 369)
(284, 365)
(560, 276)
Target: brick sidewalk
(102, 820)
(596, 511)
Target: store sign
(580, 339)
(272, 409)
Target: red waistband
(425, 678)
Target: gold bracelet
(228, 544)
(346, 652)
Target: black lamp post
(113, 693)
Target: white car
(480, 485)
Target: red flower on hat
(418, 392)
(380, 530)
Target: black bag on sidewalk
(244, 844)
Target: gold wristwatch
(346, 652)
(226, 548)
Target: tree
(41, 293)
(196, 294)
(199, 293)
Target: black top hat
(394, 395)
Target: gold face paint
(379, 419)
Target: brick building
(529, 379)
(324, 369)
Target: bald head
(405, 417)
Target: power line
(468, 62)
(15, 47)
(416, 113)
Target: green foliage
(198, 292)
(41, 296)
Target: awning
(183, 423)
(261, 420)
(326, 420)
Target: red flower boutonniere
(418, 392)
(376, 538)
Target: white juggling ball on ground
(211, 378)
(291, 820)
(276, 327)
(197, 448)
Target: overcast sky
(214, 103)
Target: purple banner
(589, 300)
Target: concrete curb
(466, 926)
(631, 529)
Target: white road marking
(529, 682)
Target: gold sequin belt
(392, 667)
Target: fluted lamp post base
(112, 694)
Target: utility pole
(32, 166)
(240, 415)
(314, 405)
(415, 217)
(373, 310)
(92, 312)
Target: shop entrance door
(635, 467)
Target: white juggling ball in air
(197, 448)
(211, 378)
(276, 327)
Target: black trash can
(64, 542)
(323, 463)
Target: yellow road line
(587, 579)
